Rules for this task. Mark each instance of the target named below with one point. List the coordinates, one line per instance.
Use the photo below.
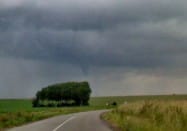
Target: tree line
(63, 94)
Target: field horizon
(174, 94)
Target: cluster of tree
(64, 94)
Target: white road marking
(63, 123)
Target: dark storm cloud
(133, 35)
(130, 34)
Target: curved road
(84, 121)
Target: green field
(17, 112)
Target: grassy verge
(154, 115)
(11, 119)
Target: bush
(35, 103)
(114, 103)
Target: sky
(121, 47)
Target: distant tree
(70, 93)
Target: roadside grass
(15, 112)
(150, 115)
(11, 119)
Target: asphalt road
(84, 121)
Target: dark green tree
(75, 93)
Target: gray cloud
(95, 37)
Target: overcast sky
(122, 47)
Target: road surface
(84, 121)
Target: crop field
(153, 114)
(14, 112)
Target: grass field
(168, 114)
(17, 112)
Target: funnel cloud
(131, 47)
